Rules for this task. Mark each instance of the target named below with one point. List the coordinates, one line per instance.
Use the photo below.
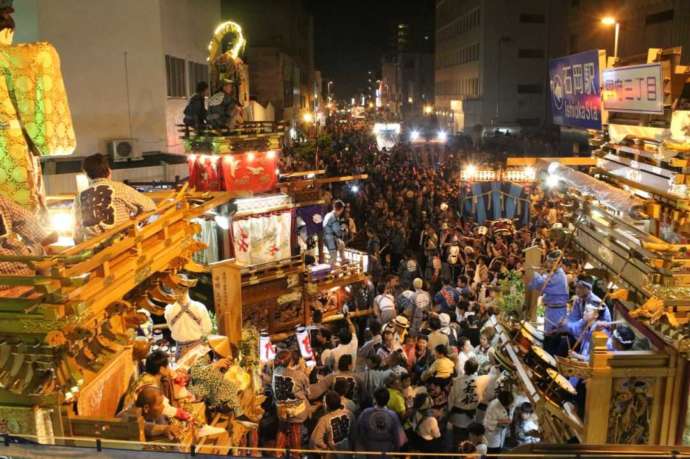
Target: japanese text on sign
(574, 82)
(634, 89)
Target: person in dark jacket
(333, 233)
(195, 111)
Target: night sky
(350, 37)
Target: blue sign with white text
(575, 90)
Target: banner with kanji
(262, 238)
(253, 172)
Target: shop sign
(634, 89)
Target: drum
(529, 329)
(556, 387)
(527, 337)
(540, 361)
(503, 359)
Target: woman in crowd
(426, 364)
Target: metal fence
(26, 446)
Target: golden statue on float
(35, 118)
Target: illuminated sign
(575, 95)
(634, 89)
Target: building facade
(416, 82)
(643, 24)
(491, 61)
(407, 71)
(129, 66)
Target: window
(531, 53)
(526, 18)
(657, 18)
(197, 74)
(175, 74)
(529, 89)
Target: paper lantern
(304, 343)
(266, 350)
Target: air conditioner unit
(124, 150)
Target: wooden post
(227, 296)
(599, 388)
(532, 263)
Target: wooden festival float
(67, 332)
(622, 218)
(268, 271)
(66, 349)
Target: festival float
(67, 332)
(626, 217)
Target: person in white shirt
(465, 353)
(487, 385)
(498, 417)
(188, 320)
(335, 430)
(349, 344)
(384, 305)
(421, 305)
(463, 401)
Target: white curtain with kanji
(262, 238)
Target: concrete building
(128, 65)
(274, 78)
(643, 24)
(407, 72)
(388, 87)
(280, 52)
(491, 61)
(415, 82)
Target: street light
(428, 109)
(611, 21)
(308, 117)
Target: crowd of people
(420, 375)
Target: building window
(197, 73)
(529, 89)
(531, 53)
(175, 74)
(658, 18)
(526, 18)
